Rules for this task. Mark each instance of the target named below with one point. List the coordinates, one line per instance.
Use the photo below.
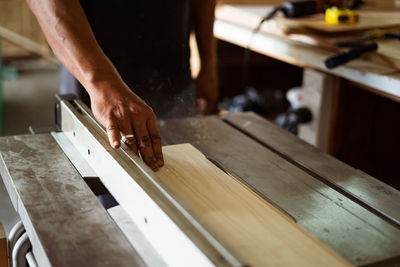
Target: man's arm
(114, 105)
(207, 81)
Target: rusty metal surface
(65, 223)
(348, 228)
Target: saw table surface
(355, 215)
(347, 210)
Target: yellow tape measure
(341, 16)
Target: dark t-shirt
(148, 43)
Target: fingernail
(154, 165)
(160, 162)
(115, 144)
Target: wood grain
(259, 233)
(3, 247)
(352, 231)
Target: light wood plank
(259, 233)
(26, 43)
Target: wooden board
(66, 224)
(346, 227)
(26, 43)
(258, 232)
(3, 247)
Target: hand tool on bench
(354, 53)
(358, 47)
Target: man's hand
(207, 91)
(123, 113)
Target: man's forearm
(114, 105)
(71, 38)
(203, 15)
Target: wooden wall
(16, 16)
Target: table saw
(52, 179)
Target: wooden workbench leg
(319, 94)
(3, 247)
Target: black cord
(247, 50)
